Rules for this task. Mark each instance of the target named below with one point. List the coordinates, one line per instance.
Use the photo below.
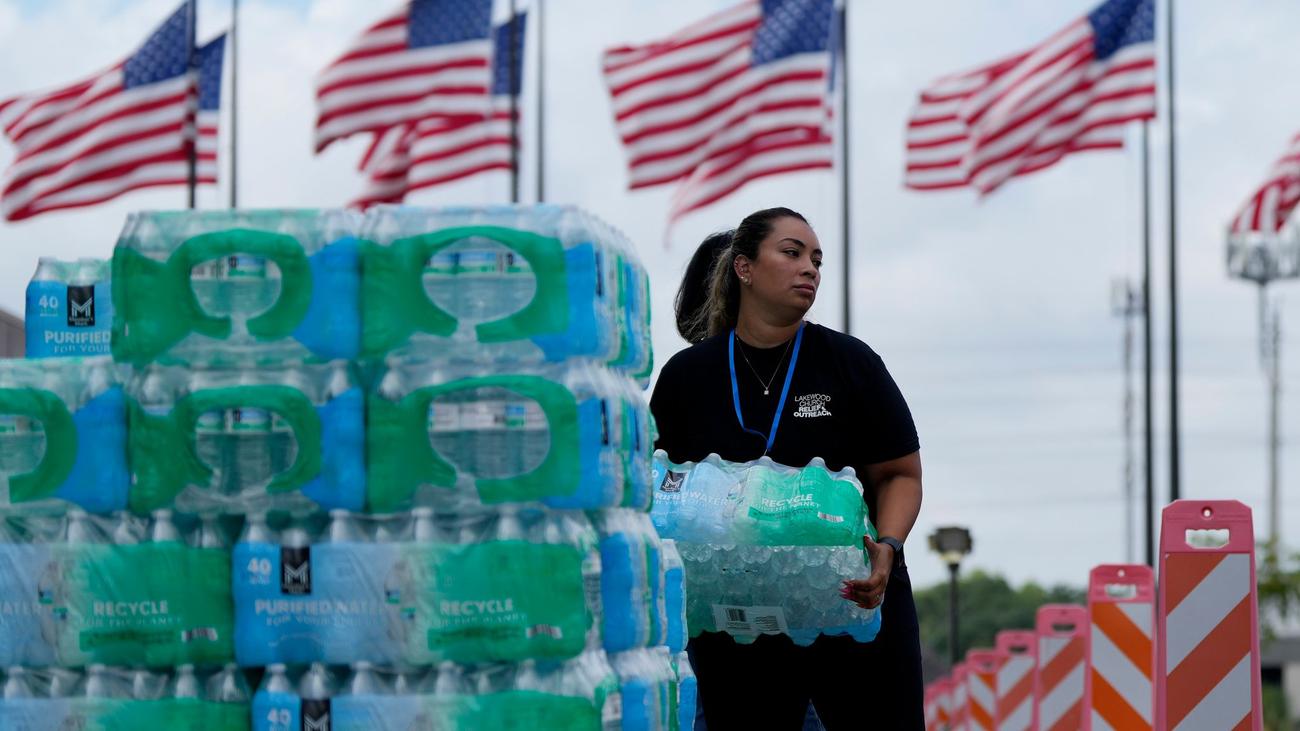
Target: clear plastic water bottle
(364, 681)
(66, 683)
(147, 686)
(315, 689)
(210, 534)
(227, 685)
(101, 682)
(185, 684)
(162, 529)
(674, 596)
(16, 685)
(451, 681)
(276, 703)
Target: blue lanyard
(785, 390)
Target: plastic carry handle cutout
(295, 278)
(287, 402)
(394, 294)
(561, 410)
(155, 306)
(60, 441)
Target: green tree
(988, 604)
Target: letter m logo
(81, 306)
(295, 569)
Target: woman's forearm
(898, 502)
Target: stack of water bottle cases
(341, 471)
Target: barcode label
(830, 518)
(749, 620)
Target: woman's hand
(870, 592)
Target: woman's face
(787, 271)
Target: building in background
(11, 335)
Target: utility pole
(1126, 302)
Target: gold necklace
(767, 387)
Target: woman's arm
(897, 483)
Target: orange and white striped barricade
(982, 689)
(960, 708)
(1119, 689)
(933, 699)
(1208, 651)
(1017, 658)
(1058, 681)
(943, 707)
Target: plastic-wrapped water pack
(581, 694)
(247, 440)
(632, 580)
(513, 283)
(766, 546)
(118, 589)
(113, 698)
(492, 585)
(208, 287)
(69, 309)
(62, 434)
(571, 435)
(649, 687)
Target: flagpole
(844, 164)
(538, 16)
(514, 103)
(234, 103)
(1147, 377)
(191, 132)
(1175, 491)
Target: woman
(841, 404)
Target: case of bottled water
(111, 698)
(201, 287)
(632, 580)
(571, 435)
(285, 437)
(491, 585)
(577, 694)
(765, 546)
(69, 308)
(116, 589)
(649, 686)
(674, 597)
(62, 434)
(521, 283)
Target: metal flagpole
(844, 162)
(1175, 491)
(514, 102)
(191, 131)
(540, 40)
(1148, 445)
(234, 103)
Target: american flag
(741, 95)
(126, 128)
(448, 147)
(1270, 206)
(1076, 91)
(431, 57)
(208, 90)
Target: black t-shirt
(843, 405)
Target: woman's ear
(741, 265)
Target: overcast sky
(993, 315)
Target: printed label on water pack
(442, 264)
(211, 422)
(749, 620)
(81, 305)
(315, 714)
(516, 265)
(672, 481)
(68, 320)
(478, 263)
(249, 420)
(444, 417)
(295, 569)
(244, 266)
(481, 415)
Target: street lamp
(952, 543)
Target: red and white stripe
(379, 82)
(92, 141)
(1017, 660)
(691, 107)
(960, 708)
(1120, 689)
(1269, 208)
(435, 151)
(981, 687)
(1027, 111)
(1059, 679)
